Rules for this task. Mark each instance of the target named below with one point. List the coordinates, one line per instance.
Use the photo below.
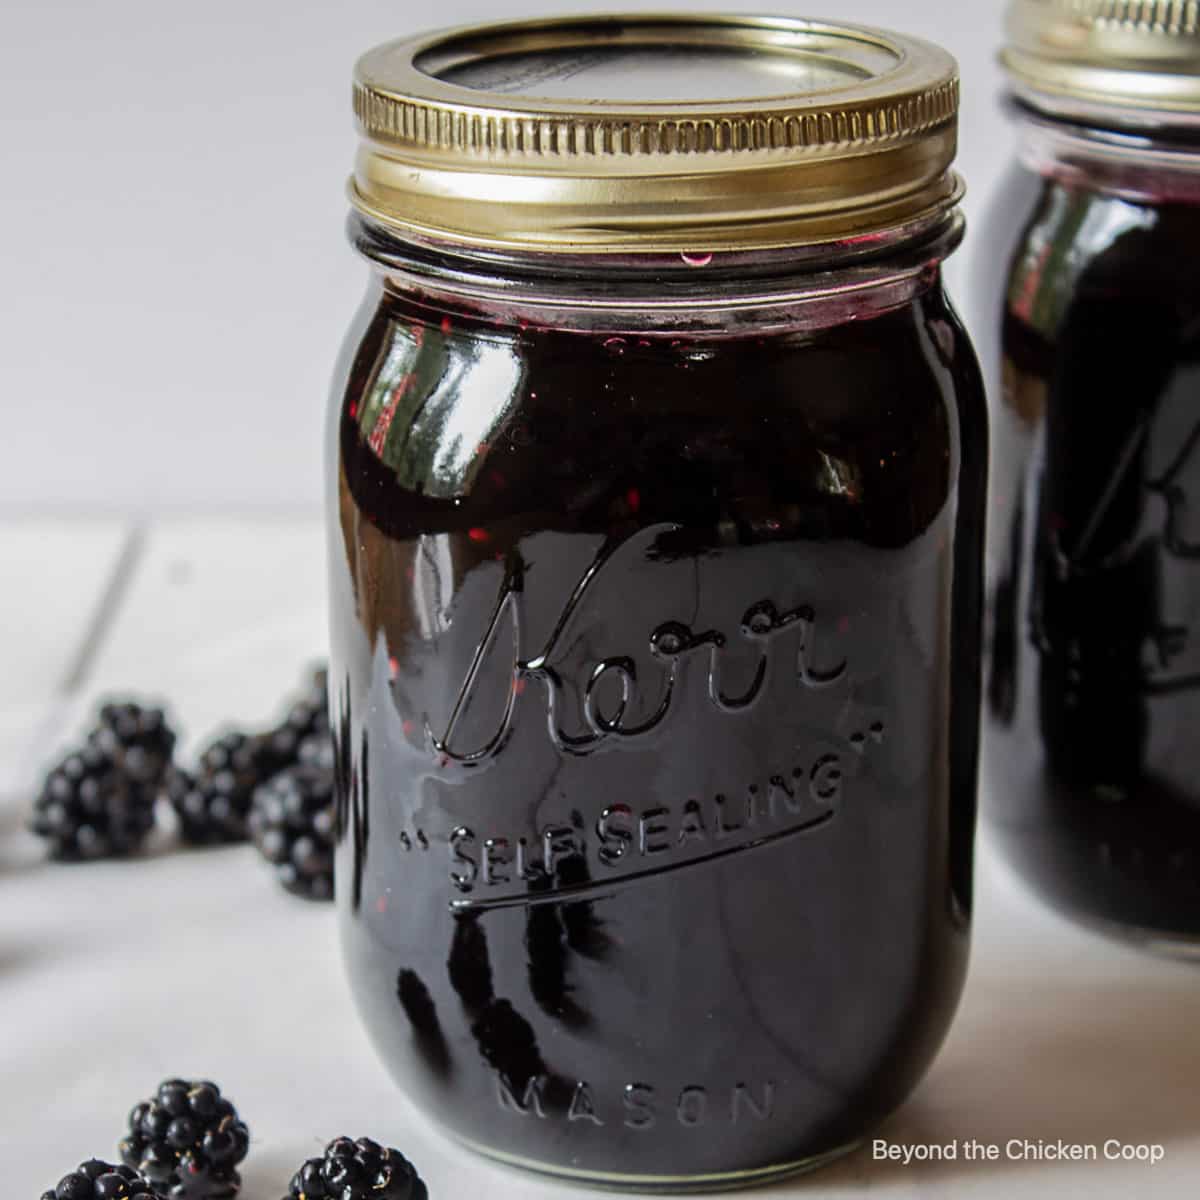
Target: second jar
(1092, 316)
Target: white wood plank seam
(62, 708)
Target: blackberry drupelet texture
(292, 824)
(307, 719)
(214, 802)
(137, 738)
(89, 807)
(187, 1140)
(317, 751)
(96, 1180)
(357, 1170)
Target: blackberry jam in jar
(656, 500)
(1093, 693)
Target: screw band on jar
(1134, 60)
(828, 132)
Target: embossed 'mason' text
(639, 1106)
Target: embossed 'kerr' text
(670, 644)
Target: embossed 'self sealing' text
(628, 840)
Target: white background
(174, 280)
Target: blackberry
(213, 803)
(317, 751)
(306, 720)
(96, 1180)
(361, 1170)
(292, 824)
(187, 1141)
(137, 738)
(90, 808)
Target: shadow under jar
(1093, 699)
(656, 503)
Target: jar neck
(1143, 161)
(716, 294)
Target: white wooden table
(116, 975)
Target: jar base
(1184, 947)
(1063, 869)
(721, 1181)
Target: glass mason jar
(1093, 290)
(656, 502)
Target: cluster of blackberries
(214, 802)
(99, 801)
(185, 1144)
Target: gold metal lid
(655, 132)
(1139, 56)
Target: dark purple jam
(1093, 697)
(656, 662)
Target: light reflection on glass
(433, 584)
(435, 404)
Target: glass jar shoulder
(1099, 317)
(1082, 245)
(448, 419)
(998, 239)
